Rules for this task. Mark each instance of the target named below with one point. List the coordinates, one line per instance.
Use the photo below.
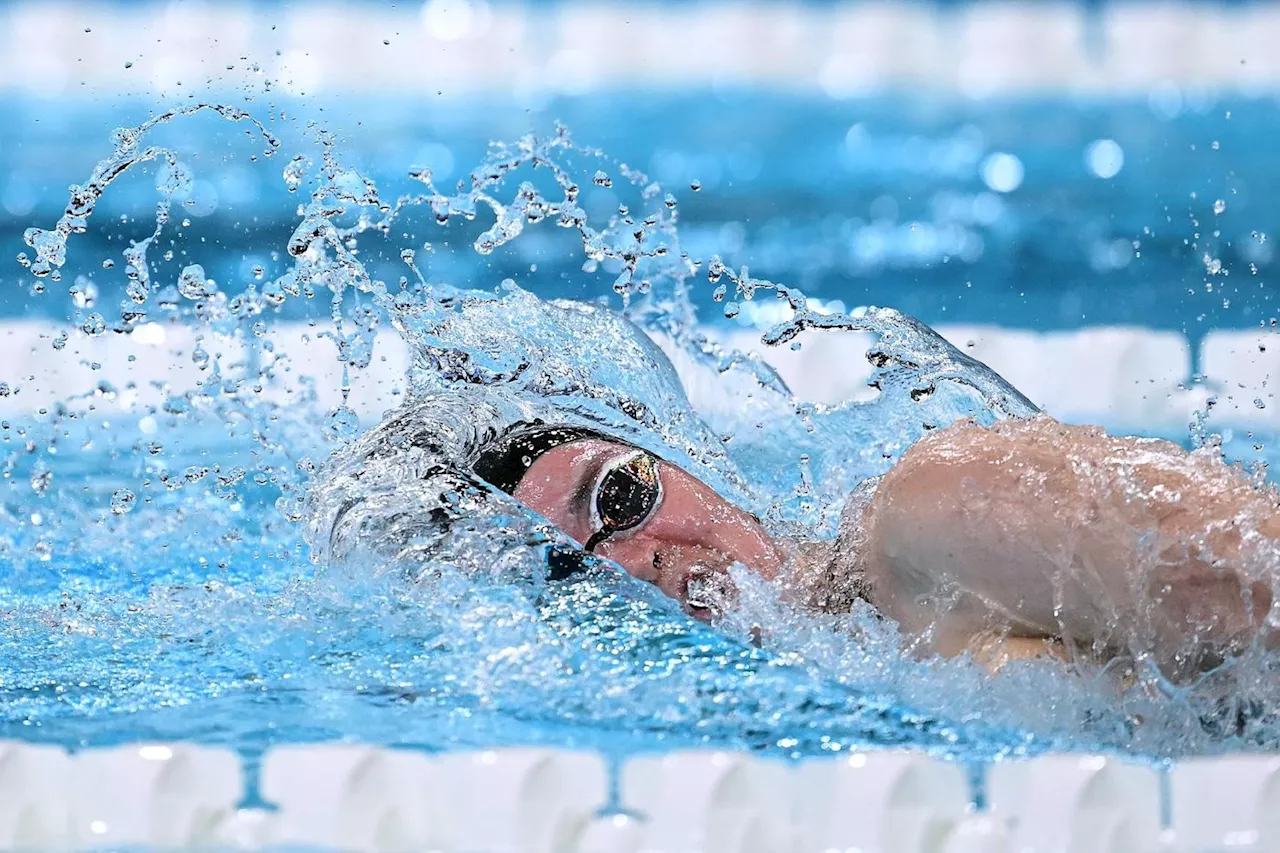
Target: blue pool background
(880, 201)
(1049, 207)
(861, 194)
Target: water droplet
(1257, 401)
(199, 357)
(83, 293)
(122, 501)
(1219, 206)
(174, 178)
(294, 171)
(128, 65)
(602, 180)
(93, 325)
(342, 424)
(40, 480)
(193, 284)
(60, 341)
(5, 391)
(695, 185)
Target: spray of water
(172, 596)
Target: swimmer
(1025, 538)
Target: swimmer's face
(653, 519)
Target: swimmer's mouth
(694, 587)
(699, 610)
(700, 600)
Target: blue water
(197, 613)
(785, 189)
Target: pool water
(156, 581)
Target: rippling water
(158, 576)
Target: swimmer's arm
(1039, 530)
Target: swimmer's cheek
(636, 554)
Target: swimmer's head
(654, 519)
(435, 477)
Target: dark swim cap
(505, 462)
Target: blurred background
(1082, 194)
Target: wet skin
(1025, 538)
(687, 532)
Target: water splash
(176, 599)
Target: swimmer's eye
(627, 495)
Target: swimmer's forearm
(1045, 530)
